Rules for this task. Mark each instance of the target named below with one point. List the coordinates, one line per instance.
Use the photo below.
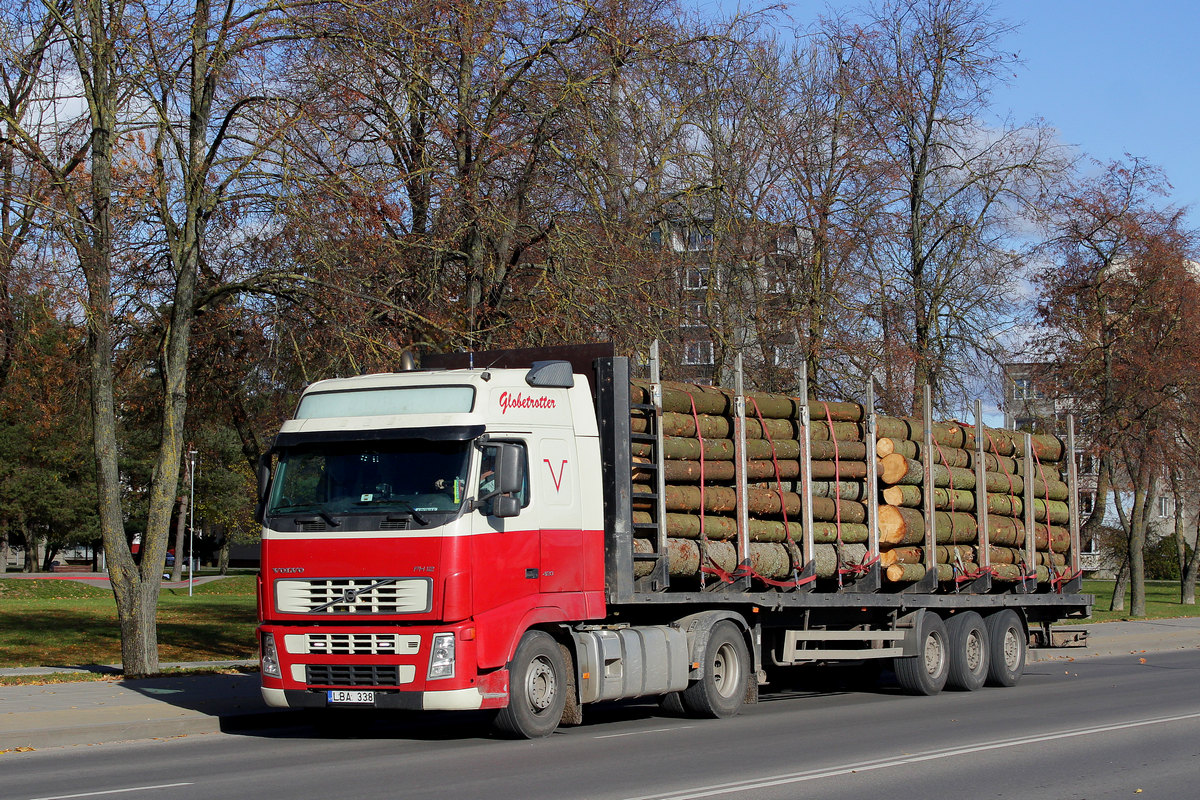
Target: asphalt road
(1097, 728)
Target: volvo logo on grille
(288, 570)
(349, 596)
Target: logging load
(699, 430)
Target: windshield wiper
(421, 520)
(321, 513)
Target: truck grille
(351, 675)
(353, 595)
(360, 644)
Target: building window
(1165, 507)
(1025, 389)
(696, 278)
(656, 237)
(1087, 501)
(1087, 464)
(698, 353)
(698, 239)
(695, 314)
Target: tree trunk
(3, 547)
(139, 641)
(48, 554)
(1188, 579)
(30, 550)
(1119, 587)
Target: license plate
(350, 696)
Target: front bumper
(392, 662)
(494, 694)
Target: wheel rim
(935, 655)
(726, 670)
(1012, 649)
(974, 651)
(541, 686)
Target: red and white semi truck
(463, 538)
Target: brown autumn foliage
(1121, 304)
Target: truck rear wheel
(537, 677)
(1007, 648)
(969, 651)
(926, 672)
(722, 689)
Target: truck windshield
(408, 476)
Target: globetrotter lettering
(519, 400)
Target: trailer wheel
(722, 689)
(926, 672)
(1007, 649)
(537, 689)
(969, 651)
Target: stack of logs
(958, 556)
(698, 426)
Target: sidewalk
(91, 712)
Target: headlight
(441, 657)
(270, 657)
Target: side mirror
(264, 483)
(510, 469)
(506, 505)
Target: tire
(970, 651)
(722, 690)
(673, 704)
(1008, 643)
(537, 678)
(926, 672)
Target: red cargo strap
(787, 531)
(707, 565)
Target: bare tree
(947, 259)
(1118, 308)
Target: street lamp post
(192, 520)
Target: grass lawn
(1162, 602)
(66, 622)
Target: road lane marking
(639, 733)
(715, 790)
(114, 791)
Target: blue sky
(1113, 78)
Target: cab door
(556, 489)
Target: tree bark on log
(680, 397)
(724, 471)
(896, 469)
(949, 434)
(711, 427)
(774, 561)
(687, 526)
(761, 502)
(680, 448)
(956, 457)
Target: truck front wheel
(722, 689)
(537, 688)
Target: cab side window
(487, 476)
